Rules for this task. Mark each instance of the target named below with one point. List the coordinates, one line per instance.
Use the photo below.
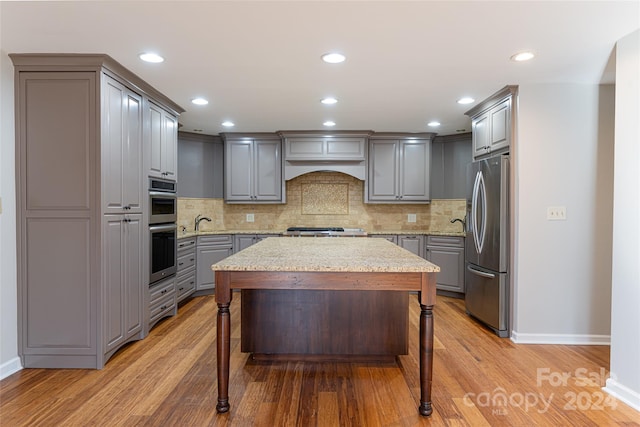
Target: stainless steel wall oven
(163, 213)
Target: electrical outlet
(556, 213)
(250, 218)
(411, 218)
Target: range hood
(318, 151)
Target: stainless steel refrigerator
(487, 243)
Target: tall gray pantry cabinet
(83, 155)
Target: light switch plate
(556, 213)
(411, 218)
(250, 217)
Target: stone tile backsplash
(322, 199)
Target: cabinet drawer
(187, 260)
(450, 241)
(163, 307)
(215, 240)
(162, 289)
(186, 244)
(185, 285)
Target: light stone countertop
(326, 255)
(192, 233)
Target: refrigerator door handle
(482, 193)
(481, 273)
(478, 195)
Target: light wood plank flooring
(169, 379)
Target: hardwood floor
(169, 379)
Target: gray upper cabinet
(163, 143)
(399, 168)
(325, 148)
(450, 156)
(200, 166)
(121, 148)
(253, 168)
(491, 123)
(81, 224)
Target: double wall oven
(163, 214)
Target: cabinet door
(113, 282)
(207, 256)
(169, 146)
(133, 283)
(121, 148)
(243, 241)
(155, 141)
(163, 143)
(415, 161)
(267, 168)
(413, 244)
(383, 170)
(480, 131)
(238, 170)
(500, 125)
(122, 278)
(451, 263)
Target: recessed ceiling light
(228, 124)
(433, 124)
(329, 101)
(333, 58)
(199, 101)
(466, 100)
(523, 56)
(151, 57)
(329, 123)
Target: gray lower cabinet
(413, 243)
(210, 249)
(447, 252)
(243, 241)
(186, 272)
(122, 279)
(162, 300)
(82, 235)
(399, 168)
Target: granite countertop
(425, 232)
(192, 233)
(182, 235)
(326, 255)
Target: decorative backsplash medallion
(325, 198)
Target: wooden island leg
(223, 346)
(426, 358)
(223, 338)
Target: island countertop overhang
(312, 254)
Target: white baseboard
(623, 393)
(560, 339)
(10, 367)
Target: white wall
(564, 158)
(625, 312)
(9, 361)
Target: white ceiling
(259, 63)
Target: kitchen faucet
(461, 221)
(200, 218)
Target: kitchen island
(326, 264)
